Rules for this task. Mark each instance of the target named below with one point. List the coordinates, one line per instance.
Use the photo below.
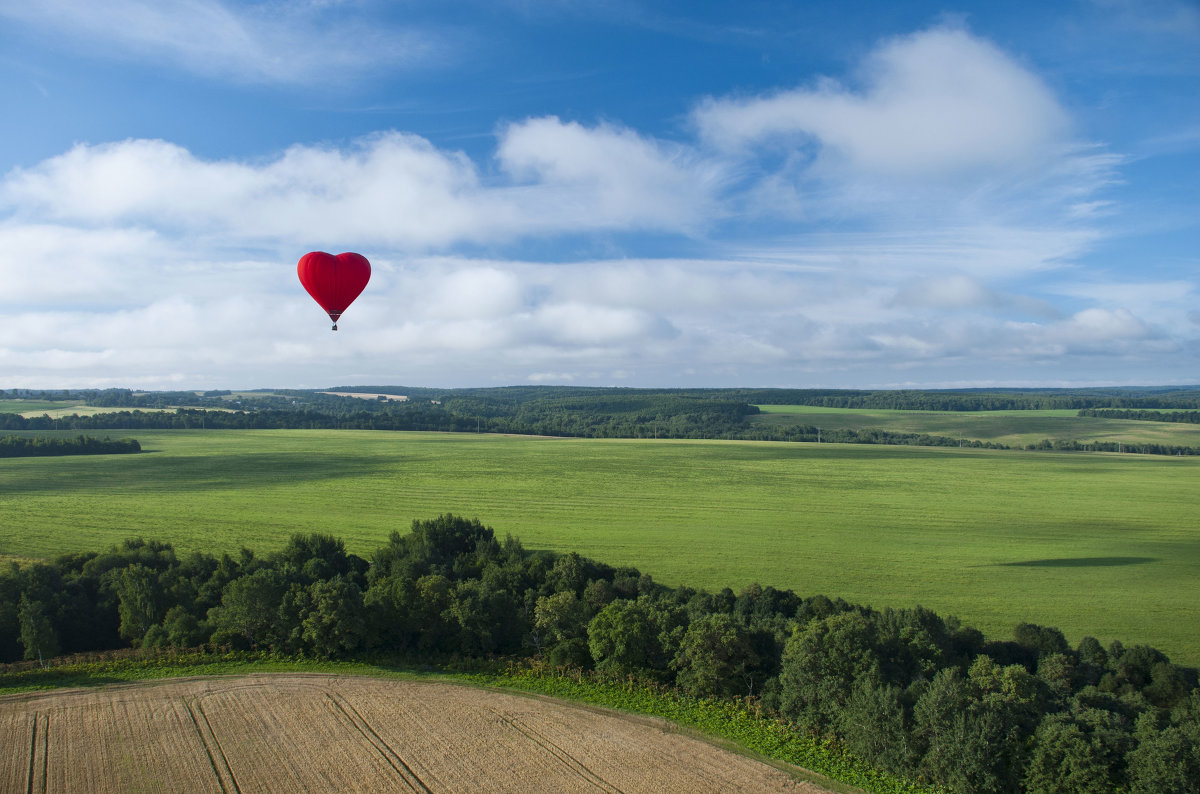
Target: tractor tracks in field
(210, 742)
(406, 773)
(559, 754)
(39, 754)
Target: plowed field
(291, 733)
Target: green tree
(622, 638)
(821, 662)
(487, 620)
(393, 611)
(1058, 673)
(876, 725)
(1043, 640)
(38, 637)
(334, 622)
(10, 624)
(249, 610)
(975, 730)
(1167, 757)
(569, 573)
(558, 618)
(598, 594)
(317, 556)
(138, 600)
(179, 629)
(436, 631)
(714, 657)
(1066, 761)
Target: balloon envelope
(334, 281)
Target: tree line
(1139, 447)
(12, 446)
(1187, 417)
(870, 435)
(911, 691)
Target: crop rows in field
(320, 733)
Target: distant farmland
(1013, 428)
(1102, 544)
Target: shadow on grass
(1080, 562)
(245, 470)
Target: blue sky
(868, 195)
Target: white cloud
(388, 189)
(590, 324)
(53, 265)
(934, 103)
(277, 42)
(960, 292)
(1101, 326)
(577, 173)
(1113, 334)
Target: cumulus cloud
(578, 172)
(1165, 304)
(1092, 332)
(932, 104)
(390, 188)
(277, 42)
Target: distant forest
(916, 693)
(26, 446)
(576, 411)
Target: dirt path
(295, 732)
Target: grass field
(1102, 544)
(56, 409)
(1014, 428)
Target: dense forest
(36, 446)
(908, 690)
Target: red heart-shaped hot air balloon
(334, 281)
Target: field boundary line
(562, 756)
(410, 778)
(193, 706)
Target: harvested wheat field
(293, 732)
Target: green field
(1014, 428)
(55, 409)
(1092, 543)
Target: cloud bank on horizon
(932, 204)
